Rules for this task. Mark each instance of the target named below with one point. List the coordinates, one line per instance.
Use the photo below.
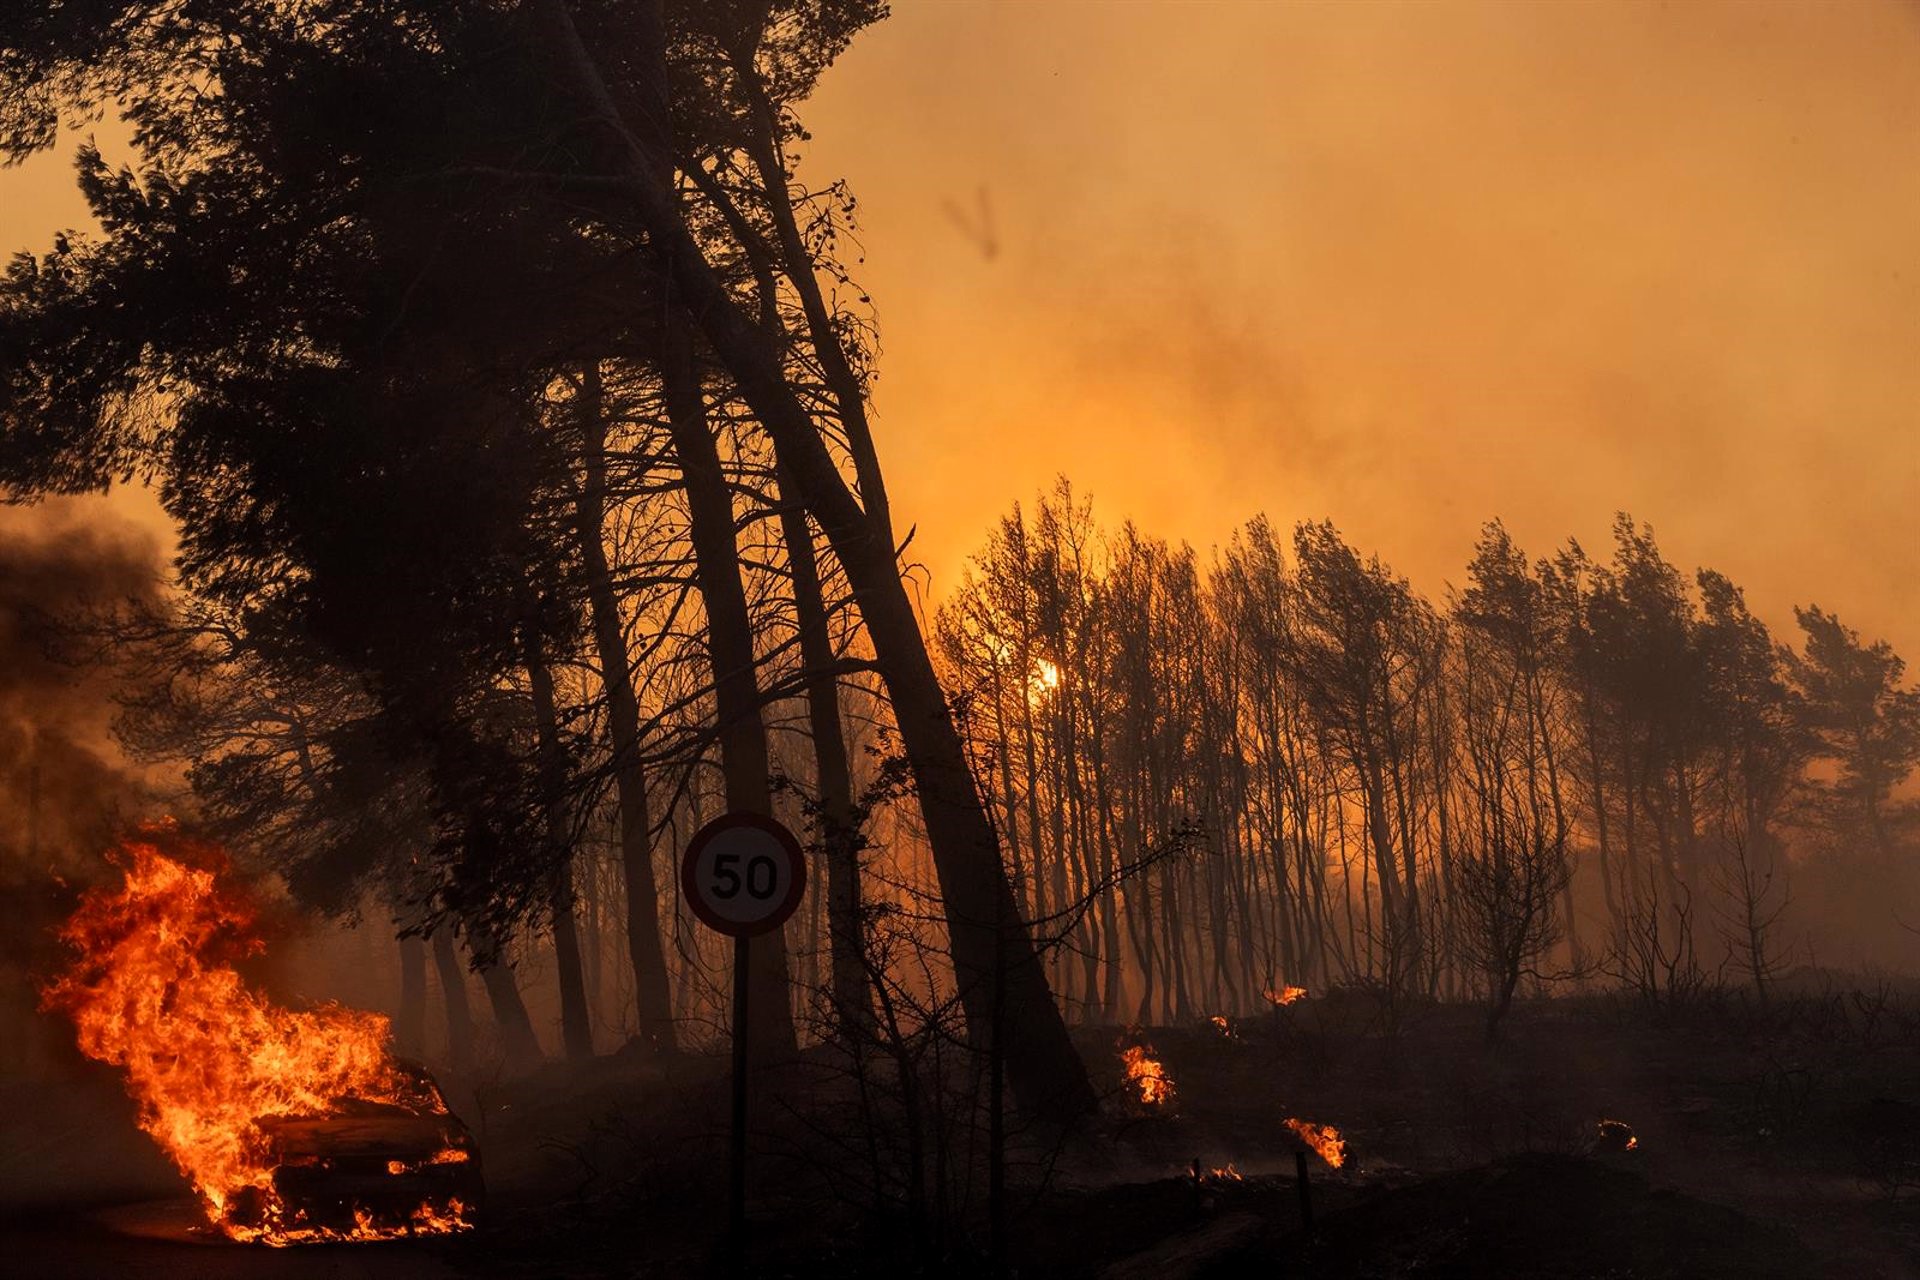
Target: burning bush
(288, 1123)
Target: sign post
(742, 874)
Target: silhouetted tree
(1864, 723)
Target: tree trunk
(517, 1039)
(744, 756)
(1043, 1067)
(744, 761)
(453, 994)
(576, 1024)
(644, 950)
(410, 1029)
(840, 835)
(576, 1031)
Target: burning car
(293, 1125)
(365, 1170)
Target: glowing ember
(1324, 1139)
(1146, 1077)
(226, 1081)
(1284, 996)
(1223, 1025)
(1617, 1135)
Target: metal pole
(737, 1171)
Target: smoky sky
(1404, 266)
(1407, 267)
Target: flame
(1226, 1173)
(152, 991)
(1284, 996)
(1222, 1024)
(429, 1221)
(1151, 1084)
(1324, 1139)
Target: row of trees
(510, 396)
(1573, 766)
(511, 402)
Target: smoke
(64, 789)
(63, 786)
(1406, 267)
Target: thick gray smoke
(62, 784)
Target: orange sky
(1407, 267)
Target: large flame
(1284, 996)
(1324, 1140)
(152, 991)
(1146, 1077)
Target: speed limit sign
(743, 874)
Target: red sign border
(719, 826)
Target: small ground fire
(288, 1123)
(1322, 1139)
(1147, 1077)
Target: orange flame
(1223, 1025)
(1324, 1139)
(1151, 1084)
(152, 991)
(1284, 996)
(1226, 1173)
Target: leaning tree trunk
(644, 950)
(517, 1040)
(986, 930)
(840, 835)
(744, 755)
(744, 763)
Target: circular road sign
(743, 874)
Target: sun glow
(1044, 680)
